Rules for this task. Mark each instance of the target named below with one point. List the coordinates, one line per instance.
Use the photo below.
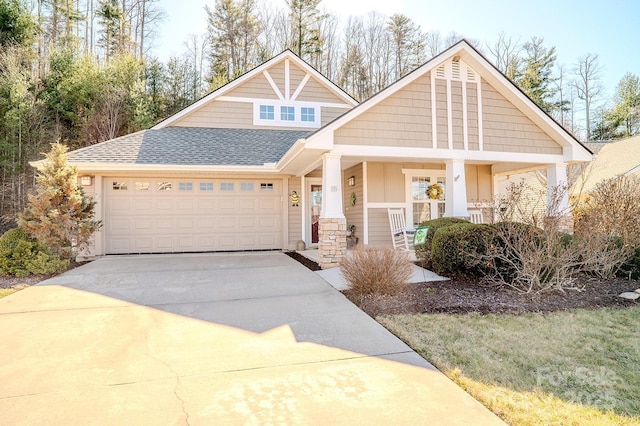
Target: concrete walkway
(210, 339)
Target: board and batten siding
(479, 181)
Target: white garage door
(145, 215)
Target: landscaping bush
(631, 268)
(461, 248)
(531, 259)
(21, 255)
(423, 252)
(377, 271)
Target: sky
(608, 28)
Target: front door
(316, 206)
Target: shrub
(423, 252)
(21, 255)
(631, 268)
(377, 271)
(461, 248)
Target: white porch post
(331, 187)
(557, 178)
(456, 195)
(332, 232)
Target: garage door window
(226, 186)
(142, 186)
(266, 187)
(206, 186)
(185, 186)
(246, 186)
(164, 186)
(119, 186)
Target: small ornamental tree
(59, 214)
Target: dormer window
(267, 112)
(287, 113)
(308, 114)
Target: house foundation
(332, 241)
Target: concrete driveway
(246, 338)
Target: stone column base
(332, 241)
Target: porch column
(456, 195)
(332, 225)
(557, 181)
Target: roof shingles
(193, 146)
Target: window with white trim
(290, 114)
(185, 186)
(307, 114)
(287, 113)
(267, 112)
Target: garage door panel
(164, 204)
(198, 220)
(143, 244)
(141, 224)
(142, 206)
(186, 205)
(227, 204)
(119, 205)
(227, 224)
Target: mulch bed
(462, 295)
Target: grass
(4, 292)
(578, 367)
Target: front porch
(356, 193)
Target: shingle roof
(193, 146)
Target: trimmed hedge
(459, 248)
(21, 255)
(423, 253)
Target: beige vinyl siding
(257, 87)
(402, 120)
(317, 173)
(295, 213)
(385, 183)
(379, 231)
(222, 114)
(441, 114)
(456, 114)
(479, 183)
(507, 129)
(329, 114)
(314, 91)
(472, 116)
(296, 75)
(354, 214)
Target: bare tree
(588, 85)
(506, 54)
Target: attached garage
(166, 215)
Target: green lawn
(4, 292)
(568, 368)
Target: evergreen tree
(59, 214)
(304, 18)
(17, 26)
(535, 78)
